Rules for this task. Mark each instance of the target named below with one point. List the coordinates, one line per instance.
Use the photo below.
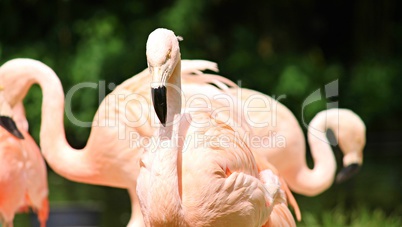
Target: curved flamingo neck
(313, 181)
(17, 76)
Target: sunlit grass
(361, 216)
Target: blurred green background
(276, 47)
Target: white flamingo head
(163, 54)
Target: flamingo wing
(221, 180)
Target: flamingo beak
(9, 124)
(159, 101)
(158, 92)
(347, 172)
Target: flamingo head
(163, 54)
(9, 124)
(5, 120)
(352, 140)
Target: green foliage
(361, 216)
(375, 87)
(293, 81)
(182, 15)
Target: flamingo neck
(320, 178)
(18, 76)
(165, 201)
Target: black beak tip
(9, 124)
(347, 172)
(160, 103)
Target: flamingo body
(220, 184)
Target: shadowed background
(276, 47)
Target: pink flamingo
(23, 180)
(198, 176)
(280, 123)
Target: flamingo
(195, 175)
(289, 157)
(120, 128)
(23, 180)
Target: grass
(358, 217)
